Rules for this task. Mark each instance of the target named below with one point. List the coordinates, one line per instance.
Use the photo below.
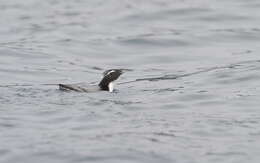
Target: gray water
(191, 93)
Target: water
(191, 93)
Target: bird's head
(108, 77)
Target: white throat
(110, 87)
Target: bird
(106, 84)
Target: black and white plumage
(106, 84)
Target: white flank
(110, 87)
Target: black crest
(109, 76)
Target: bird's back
(79, 87)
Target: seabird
(106, 84)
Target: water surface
(191, 93)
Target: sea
(190, 92)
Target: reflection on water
(190, 93)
